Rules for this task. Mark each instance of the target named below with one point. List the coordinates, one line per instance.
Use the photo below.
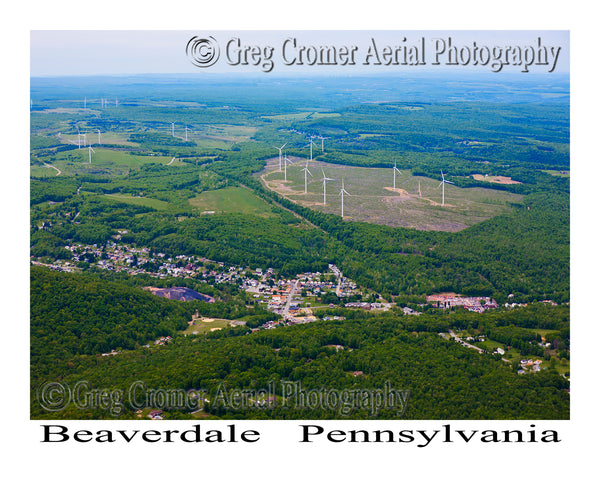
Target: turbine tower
(395, 169)
(78, 138)
(342, 191)
(285, 162)
(322, 144)
(280, 148)
(442, 184)
(90, 150)
(99, 137)
(186, 130)
(419, 188)
(310, 144)
(325, 180)
(306, 172)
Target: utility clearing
(370, 196)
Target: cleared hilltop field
(373, 199)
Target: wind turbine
(419, 188)
(78, 138)
(310, 144)
(442, 184)
(322, 144)
(306, 172)
(280, 148)
(186, 130)
(84, 102)
(325, 180)
(98, 137)
(285, 162)
(84, 139)
(342, 191)
(395, 169)
(90, 150)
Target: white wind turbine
(186, 130)
(325, 180)
(90, 150)
(442, 184)
(306, 172)
(322, 142)
(310, 144)
(280, 149)
(342, 191)
(99, 137)
(78, 138)
(286, 160)
(395, 169)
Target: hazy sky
(73, 52)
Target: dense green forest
(445, 380)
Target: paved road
(453, 335)
(286, 309)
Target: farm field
(104, 160)
(372, 197)
(231, 200)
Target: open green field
(142, 201)
(372, 198)
(43, 171)
(103, 161)
(558, 173)
(106, 138)
(227, 133)
(206, 325)
(231, 200)
(300, 116)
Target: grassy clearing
(372, 198)
(558, 173)
(143, 201)
(104, 161)
(231, 200)
(300, 116)
(206, 325)
(42, 171)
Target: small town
(294, 299)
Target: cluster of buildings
(530, 366)
(291, 298)
(452, 300)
